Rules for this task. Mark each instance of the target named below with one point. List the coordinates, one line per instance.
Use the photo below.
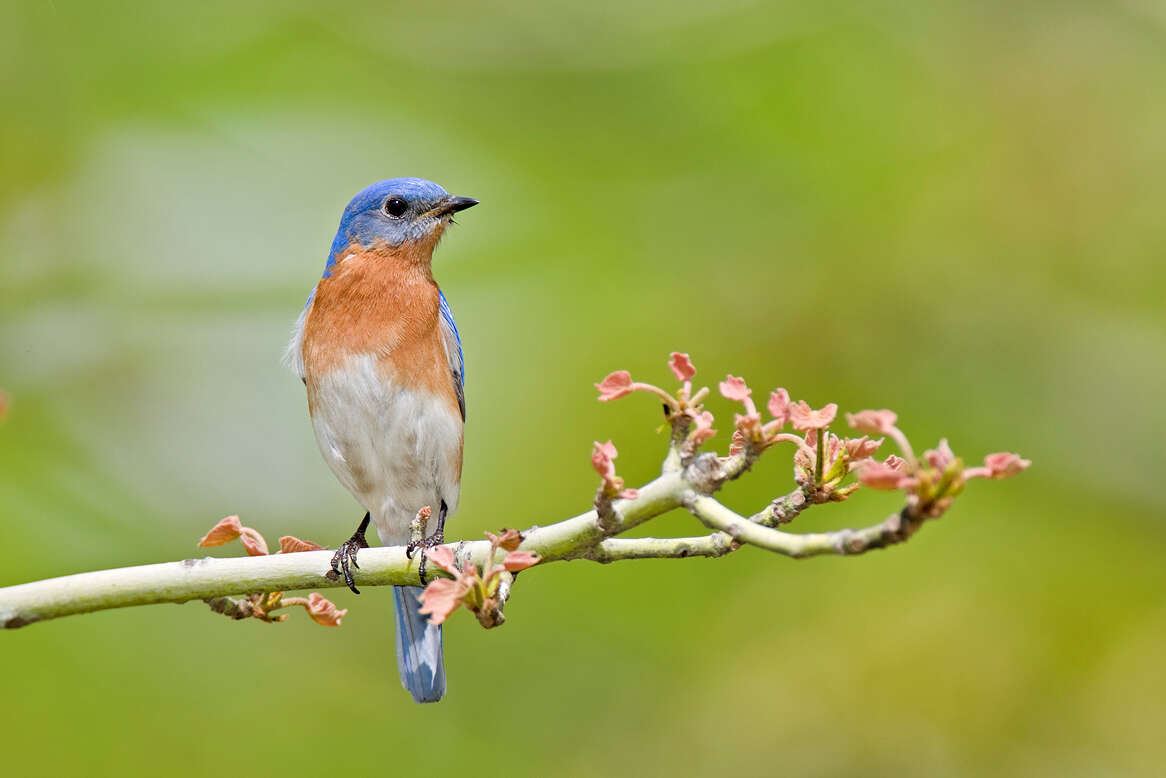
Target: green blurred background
(951, 209)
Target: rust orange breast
(380, 301)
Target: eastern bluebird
(378, 350)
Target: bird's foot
(346, 555)
(426, 543)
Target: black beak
(453, 204)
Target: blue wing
(453, 348)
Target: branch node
(706, 473)
(783, 509)
(605, 517)
(230, 607)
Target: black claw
(346, 554)
(348, 574)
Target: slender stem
(895, 529)
(668, 399)
(904, 445)
(820, 458)
(789, 437)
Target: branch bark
(580, 537)
(896, 528)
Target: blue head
(398, 211)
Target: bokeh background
(952, 209)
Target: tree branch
(897, 528)
(579, 537)
(616, 549)
(208, 578)
(688, 479)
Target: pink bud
(896, 462)
(734, 388)
(1004, 464)
(702, 428)
(806, 418)
(324, 612)
(616, 385)
(441, 598)
(509, 540)
(737, 445)
(873, 422)
(519, 560)
(779, 406)
(861, 448)
(290, 544)
(602, 455)
(253, 542)
(939, 457)
(878, 475)
(442, 556)
(682, 368)
(222, 533)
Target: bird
(377, 348)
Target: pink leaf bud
(878, 475)
(939, 457)
(441, 598)
(734, 388)
(861, 448)
(806, 418)
(616, 385)
(737, 445)
(896, 462)
(1004, 464)
(873, 422)
(222, 533)
(324, 612)
(509, 540)
(702, 428)
(779, 406)
(290, 544)
(253, 542)
(443, 557)
(519, 560)
(602, 455)
(682, 368)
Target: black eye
(396, 207)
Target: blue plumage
(365, 221)
(419, 647)
(447, 317)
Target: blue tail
(418, 647)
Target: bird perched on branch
(378, 350)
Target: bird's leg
(436, 539)
(346, 554)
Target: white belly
(396, 449)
